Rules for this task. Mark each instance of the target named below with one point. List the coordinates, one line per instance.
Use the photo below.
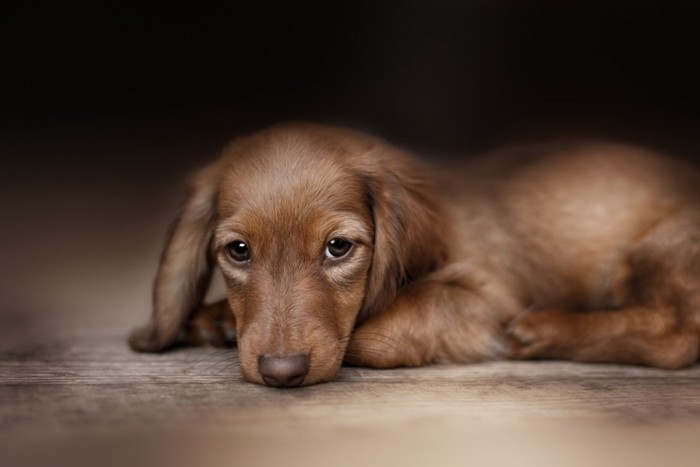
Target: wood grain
(72, 385)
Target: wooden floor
(83, 393)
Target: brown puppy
(338, 247)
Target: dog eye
(238, 251)
(337, 248)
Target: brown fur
(588, 252)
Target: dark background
(104, 106)
(440, 73)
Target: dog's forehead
(291, 175)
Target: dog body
(338, 247)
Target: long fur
(589, 252)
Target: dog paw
(538, 334)
(145, 339)
(212, 325)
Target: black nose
(285, 371)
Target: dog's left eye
(337, 248)
(238, 251)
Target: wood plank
(73, 384)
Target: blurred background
(106, 106)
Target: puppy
(337, 247)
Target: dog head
(314, 229)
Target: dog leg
(212, 324)
(428, 322)
(634, 335)
(657, 317)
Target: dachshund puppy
(337, 247)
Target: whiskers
(215, 362)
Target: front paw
(377, 346)
(211, 325)
(371, 349)
(540, 334)
(145, 339)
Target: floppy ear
(410, 237)
(185, 266)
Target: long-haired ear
(185, 266)
(410, 238)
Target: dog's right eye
(337, 248)
(238, 251)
